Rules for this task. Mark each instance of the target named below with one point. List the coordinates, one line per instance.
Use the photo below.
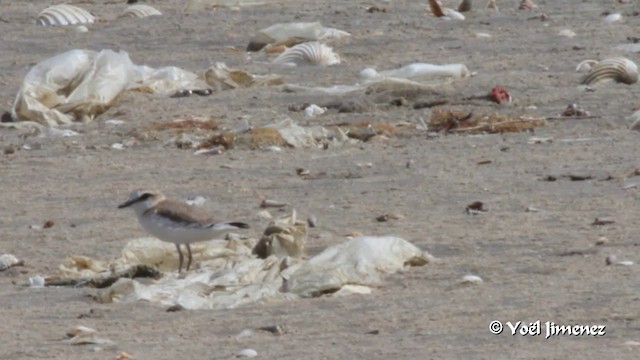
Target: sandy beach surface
(534, 247)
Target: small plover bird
(175, 221)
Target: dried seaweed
(452, 121)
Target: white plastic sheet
(228, 276)
(79, 85)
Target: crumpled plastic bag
(229, 279)
(75, 85)
(79, 85)
(417, 72)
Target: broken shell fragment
(310, 53)
(140, 11)
(602, 241)
(63, 14)
(618, 69)
(267, 203)
(567, 33)
(8, 261)
(471, 279)
(246, 353)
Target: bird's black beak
(126, 204)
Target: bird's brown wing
(185, 214)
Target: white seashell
(618, 69)
(140, 11)
(586, 65)
(567, 33)
(611, 18)
(63, 14)
(314, 110)
(248, 353)
(246, 333)
(452, 14)
(114, 122)
(7, 261)
(471, 279)
(36, 281)
(82, 29)
(481, 35)
(196, 201)
(80, 330)
(117, 146)
(309, 53)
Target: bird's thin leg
(180, 257)
(190, 257)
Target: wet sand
(536, 265)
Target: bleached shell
(452, 14)
(247, 353)
(611, 18)
(310, 53)
(618, 69)
(63, 14)
(140, 11)
(567, 33)
(7, 261)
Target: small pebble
(312, 221)
(602, 241)
(117, 146)
(267, 203)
